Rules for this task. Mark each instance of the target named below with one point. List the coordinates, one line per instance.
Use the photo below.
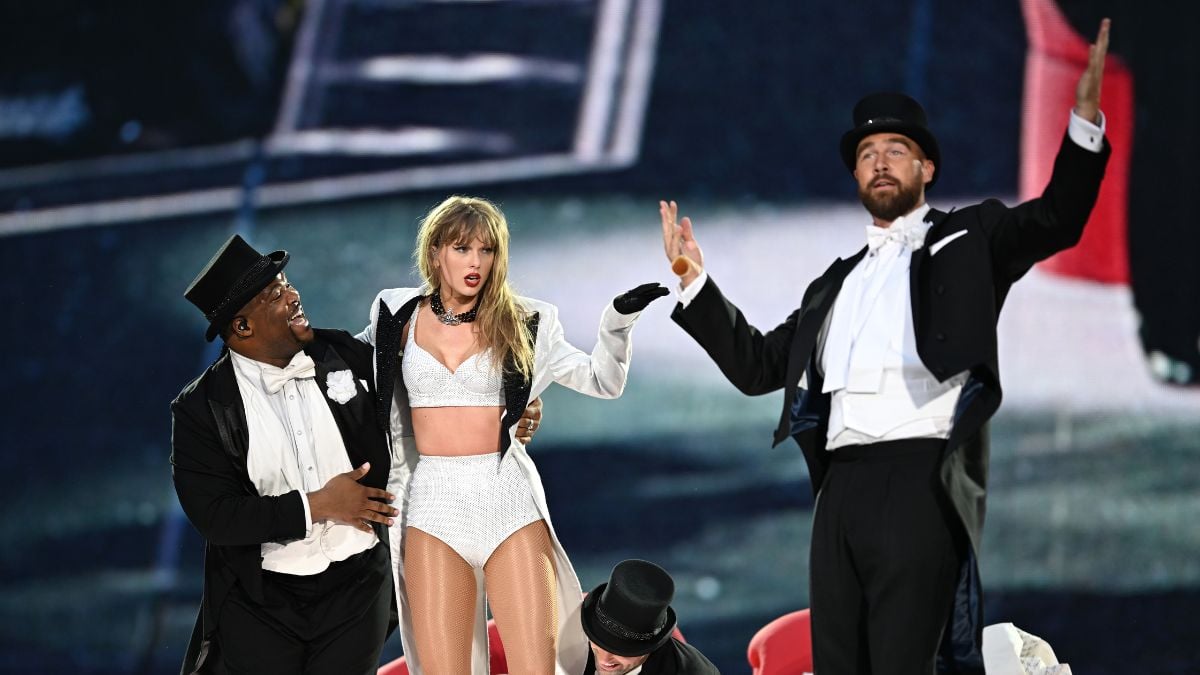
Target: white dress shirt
(881, 391)
(295, 445)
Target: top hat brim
(617, 644)
(248, 288)
(920, 135)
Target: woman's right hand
(679, 243)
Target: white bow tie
(302, 366)
(911, 237)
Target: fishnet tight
(520, 581)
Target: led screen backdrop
(137, 136)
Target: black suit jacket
(957, 291)
(673, 658)
(209, 442)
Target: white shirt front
(295, 445)
(881, 391)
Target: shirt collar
(253, 369)
(913, 224)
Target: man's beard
(888, 207)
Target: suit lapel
(920, 256)
(225, 402)
(516, 387)
(812, 317)
(813, 314)
(353, 416)
(389, 329)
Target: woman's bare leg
(521, 589)
(441, 592)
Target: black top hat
(883, 112)
(631, 614)
(234, 275)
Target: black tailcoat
(957, 291)
(209, 442)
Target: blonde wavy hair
(501, 321)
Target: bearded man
(890, 374)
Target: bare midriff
(457, 431)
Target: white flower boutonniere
(340, 386)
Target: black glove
(636, 300)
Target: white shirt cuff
(308, 528)
(1085, 133)
(686, 295)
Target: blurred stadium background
(136, 136)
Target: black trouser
(884, 560)
(332, 623)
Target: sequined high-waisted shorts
(471, 503)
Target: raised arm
(603, 372)
(1041, 227)
(754, 362)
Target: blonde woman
(456, 362)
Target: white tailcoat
(601, 374)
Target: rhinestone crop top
(431, 384)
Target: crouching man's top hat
(891, 112)
(631, 614)
(231, 279)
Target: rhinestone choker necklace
(448, 317)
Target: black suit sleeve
(212, 492)
(1039, 228)
(755, 363)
